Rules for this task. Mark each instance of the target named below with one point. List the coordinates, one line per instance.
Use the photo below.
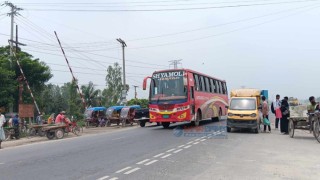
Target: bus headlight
(253, 115)
(153, 110)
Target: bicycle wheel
(76, 130)
(316, 130)
(32, 132)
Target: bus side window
(196, 79)
(217, 87)
(226, 88)
(212, 86)
(202, 85)
(208, 87)
(220, 85)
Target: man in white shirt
(275, 108)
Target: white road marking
(203, 140)
(151, 162)
(158, 155)
(198, 139)
(131, 171)
(103, 178)
(141, 162)
(166, 156)
(181, 146)
(123, 169)
(187, 146)
(177, 150)
(203, 137)
(196, 143)
(171, 150)
(190, 142)
(115, 178)
(117, 138)
(1, 163)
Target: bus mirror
(144, 85)
(227, 107)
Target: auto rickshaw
(94, 115)
(113, 115)
(127, 114)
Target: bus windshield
(168, 86)
(243, 104)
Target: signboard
(26, 110)
(168, 75)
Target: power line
(224, 33)
(219, 25)
(172, 9)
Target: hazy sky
(274, 46)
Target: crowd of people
(281, 110)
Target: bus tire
(198, 119)
(228, 129)
(166, 125)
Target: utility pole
(135, 91)
(124, 92)
(175, 63)
(14, 12)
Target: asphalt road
(156, 153)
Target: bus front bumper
(246, 124)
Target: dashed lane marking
(141, 162)
(177, 150)
(151, 162)
(181, 146)
(187, 146)
(103, 178)
(131, 171)
(115, 178)
(196, 143)
(190, 142)
(123, 169)
(163, 157)
(198, 139)
(203, 140)
(171, 150)
(158, 155)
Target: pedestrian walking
(285, 115)
(15, 123)
(2, 135)
(275, 109)
(265, 113)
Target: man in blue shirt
(15, 123)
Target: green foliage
(91, 95)
(36, 72)
(111, 95)
(142, 102)
(7, 83)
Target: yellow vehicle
(243, 109)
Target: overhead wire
(172, 9)
(226, 32)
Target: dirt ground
(85, 132)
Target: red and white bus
(183, 95)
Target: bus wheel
(166, 125)
(228, 129)
(198, 119)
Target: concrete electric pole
(175, 63)
(14, 12)
(135, 91)
(124, 92)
